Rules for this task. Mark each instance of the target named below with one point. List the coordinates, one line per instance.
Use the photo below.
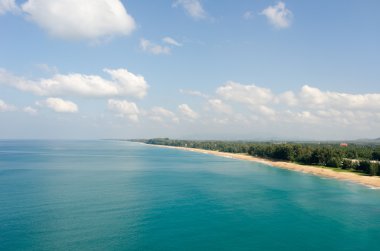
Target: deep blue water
(109, 195)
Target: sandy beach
(371, 181)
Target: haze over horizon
(90, 69)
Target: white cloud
(4, 107)
(193, 8)
(84, 19)
(193, 93)
(300, 117)
(8, 6)
(267, 111)
(339, 119)
(124, 108)
(248, 94)
(312, 96)
(287, 98)
(315, 98)
(308, 106)
(30, 110)
(278, 15)
(171, 41)
(188, 112)
(123, 83)
(161, 114)
(129, 83)
(218, 106)
(60, 105)
(153, 48)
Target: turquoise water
(109, 195)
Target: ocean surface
(113, 195)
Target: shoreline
(369, 181)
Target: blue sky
(248, 69)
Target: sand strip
(371, 181)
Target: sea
(118, 195)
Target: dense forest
(363, 158)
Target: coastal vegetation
(362, 158)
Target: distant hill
(367, 141)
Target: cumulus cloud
(161, 114)
(248, 94)
(193, 93)
(315, 98)
(4, 107)
(85, 19)
(30, 110)
(122, 83)
(309, 106)
(8, 6)
(171, 41)
(288, 98)
(188, 112)
(129, 83)
(153, 48)
(267, 111)
(60, 105)
(219, 106)
(278, 15)
(300, 117)
(193, 8)
(124, 108)
(310, 97)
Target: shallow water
(110, 195)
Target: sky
(190, 69)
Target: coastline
(369, 181)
